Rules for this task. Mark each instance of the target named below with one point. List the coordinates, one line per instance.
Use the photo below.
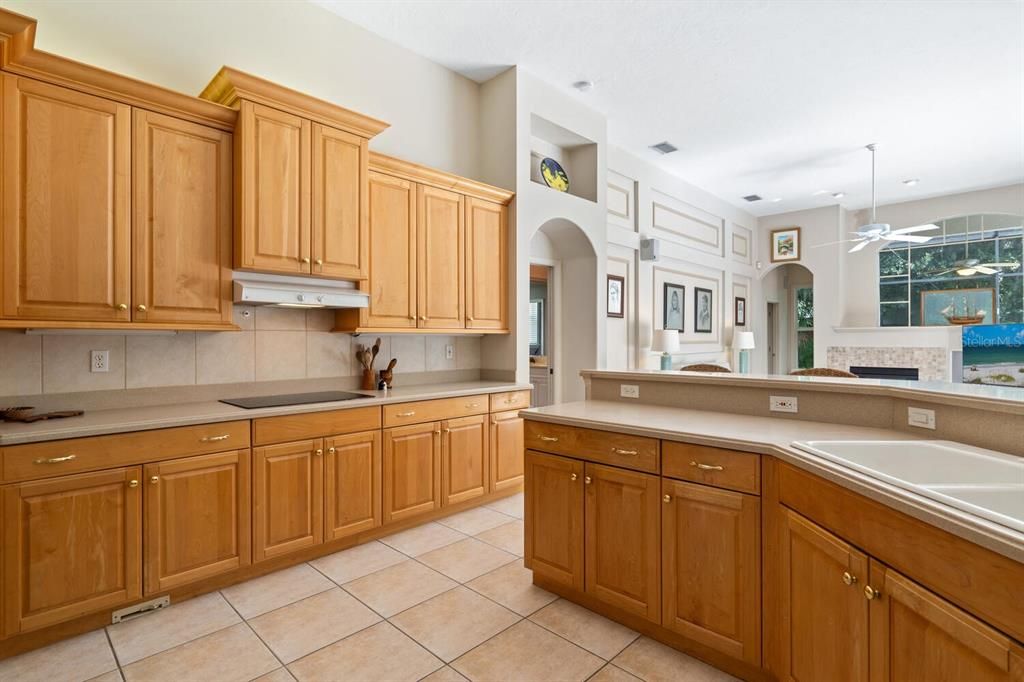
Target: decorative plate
(554, 176)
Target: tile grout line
(117, 660)
(606, 660)
(256, 634)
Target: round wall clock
(553, 175)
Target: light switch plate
(449, 352)
(783, 403)
(629, 390)
(921, 418)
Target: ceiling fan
(973, 266)
(876, 231)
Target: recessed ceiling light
(752, 197)
(911, 182)
(838, 195)
(664, 147)
(776, 200)
(584, 86)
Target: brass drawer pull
(707, 467)
(573, 477)
(620, 451)
(666, 499)
(214, 439)
(134, 483)
(405, 414)
(848, 578)
(331, 451)
(472, 405)
(319, 452)
(548, 439)
(56, 460)
(154, 479)
(588, 480)
(871, 593)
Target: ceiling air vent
(664, 147)
(752, 197)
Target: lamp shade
(744, 341)
(665, 341)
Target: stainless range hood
(253, 288)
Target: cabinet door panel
(486, 265)
(464, 463)
(440, 263)
(181, 234)
(824, 619)
(392, 254)
(273, 222)
(288, 502)
(506, 450)
(623, 539)
(352, 469)
(340, 228)
(553, 518)
(711, 557)
(918, 636)
(197, 518)
(412, 470)
(66, 208)
(72, 546)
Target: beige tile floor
(445, 601)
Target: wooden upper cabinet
(197, 518)
(181, 234)
(440, 264)
(392, 257)
(288, 498)
(412, 470)
(272, 157)
(72, 546)
(486, 265)
(916, 635)
(340, 239)
(464, 463)
(553, 518)
(711, 563)
(66, 204)
(506, 450)
(622, 539)
(352, 484)
(824, 612)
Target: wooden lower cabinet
(197, 518)
(918, 636)
(824, 612)
(288, 509)
(352, 484)
(72, 546)
(464, 462)
(622, 539)
(553, 518)
(412, 470)
(711, 567)
(506, 450)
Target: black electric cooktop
(292, 399)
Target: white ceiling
(776, 98)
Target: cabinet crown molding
(414, 172)
(231, 85)
(19, 56)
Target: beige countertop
(772, 436)
(100, 422)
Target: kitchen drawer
(421, 411)
(719, 467)
(314, 425)
(55, 458)
(605, 447)
(510, 400)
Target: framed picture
(946, 307)
(673, 303)
(740, 318)
(702, 310)
(616, 296)
(785, 244)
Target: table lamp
(666, 341)
(744, 341)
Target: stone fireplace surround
(932, 363)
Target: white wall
(433, 112)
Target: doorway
(541, 336)
(773, 336)
(789, 290)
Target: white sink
(988, 484)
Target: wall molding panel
(685, 224)
(621, 200)
(742, 244)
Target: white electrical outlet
(449, 352)
(99, 361)
(920, 417)
(629, 390)
(782, 403)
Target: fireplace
(885, 372)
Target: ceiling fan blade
(1001, 265)
(938, 274)
(841, 241)
(983, 270)
(859, 246)
(916, 228)
(913, 239)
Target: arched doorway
(789, 333)
(563, 311)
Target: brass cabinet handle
(620, 451)
(573, 477)
(446, 430)
(423, 318)
(548, 439)
(154, 479)
(588, 480)
(871, 593)
(405, 414)
(55, 460)
(319, 452)
(134, 483)
(141, 308)
(666, 499)
(122, 306)
(471, 319)
(305, 259)
(438, 432)
(331, 451)
(848, 578)
(319, 261)
(707, 467)
(412, 317)
(472, 405)
(215, 439)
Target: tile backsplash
(273, 344)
